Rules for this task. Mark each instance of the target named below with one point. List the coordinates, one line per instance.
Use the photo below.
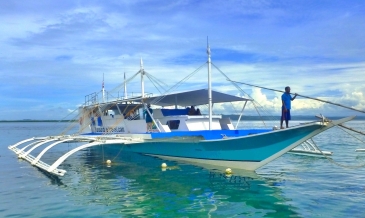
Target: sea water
(136, 186)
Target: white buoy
(108, 162)
(228, 171)
(163, 165)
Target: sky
(54, 53)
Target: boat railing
(91, 98)
(95, 97)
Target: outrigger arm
(35, 161)
(310, 148)
(60, 160)
(46, 149)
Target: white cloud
(58, 51)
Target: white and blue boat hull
(243, 152)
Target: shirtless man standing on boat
(286, 106)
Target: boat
(118, 123)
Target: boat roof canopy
(184, 99)
(195, 97)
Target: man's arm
(284, 107)
(295, 95)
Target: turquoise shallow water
(135, 186)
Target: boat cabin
(171, 112)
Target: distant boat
(177, 134)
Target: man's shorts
(285, 115)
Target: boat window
(174, 112)
(173, 124)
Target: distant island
(30, 120)
(297, 117)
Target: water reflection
(135, 185)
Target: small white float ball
(163, 165)
(108, 162)
(228, 171)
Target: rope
(336, 163)
(68, 115)
(341, 165)
(233, 83)
(177, 85)
(112, 160)
(159, 82)
(253, 100)
(118, 152)
(340, 105)
(351, 134)
(70, 126)
(234, 108)
(154, 83)
(122, 85)
(102, 148)
(72, 122)
(259, 114)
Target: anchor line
(350, 133)
(336, 163)
(348, 128)
(119, 152)
(340, 105)
(102, 148)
